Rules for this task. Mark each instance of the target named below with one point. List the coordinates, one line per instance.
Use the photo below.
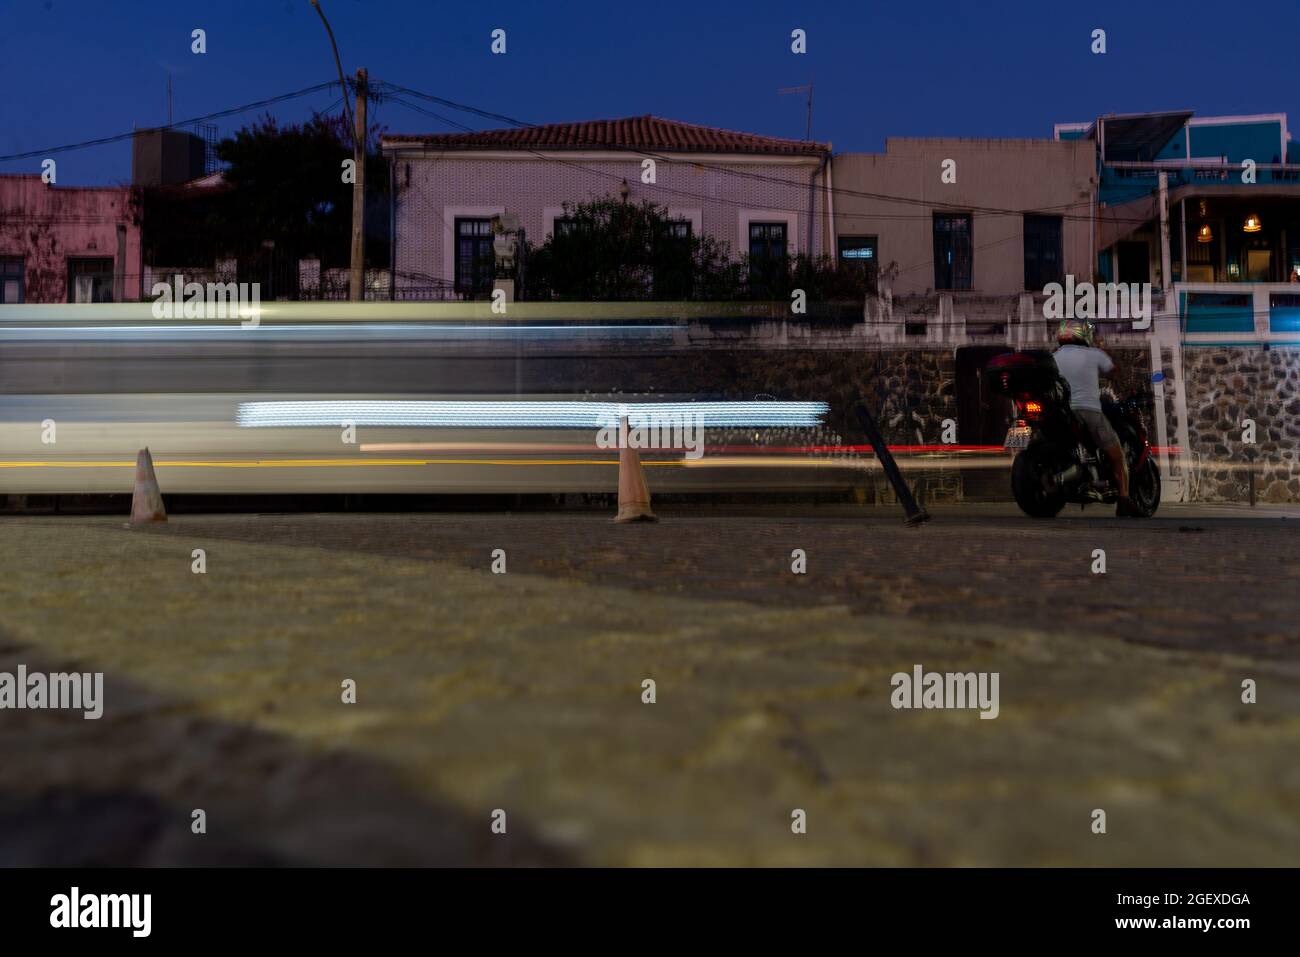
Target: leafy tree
(286, 194)
(607, 250)
(611, 250)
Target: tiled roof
(651, 133)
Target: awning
(1138, 138)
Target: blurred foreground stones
(523, 691)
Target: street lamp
(338, 64)
(357, 281)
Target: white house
(759, 194)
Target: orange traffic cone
(146, 502)
(633, 494)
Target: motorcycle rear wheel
(1144, 487)
(1028, 470)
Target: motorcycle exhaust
(1068, 477)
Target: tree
(611, 250)
(607, 250)
(287, 199)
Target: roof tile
(630, 133)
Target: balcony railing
(1239, 311)
(1197, 171)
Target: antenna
(169, 100)
(805, 88)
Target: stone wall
(1226, 386)
(910, 391)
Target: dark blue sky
(78, 69)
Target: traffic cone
(633, 493)
(146, 501)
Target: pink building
(68, 244)
(759, 194)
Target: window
(11, 280)
(1043, 260)
(564, 226)
(1134, 260)
(766, 240)
(90, 280)
(767, 252)
(674, 272)
(952, 251)
(859, 252)
(475, 262)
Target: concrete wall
(46, 225)
(434, 189)
(1025, 176)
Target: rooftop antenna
(169, 101)
(805, 88)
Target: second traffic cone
(146, 500)
(633, 493)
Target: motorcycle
(1056, 459)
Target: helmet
(1078, 331)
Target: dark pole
(338, 64)
(392, 228)
(913, 513)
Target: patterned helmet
(1075, 330)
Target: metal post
(392, 229)
(913, 514)
(1165, 266)
(1182, 242)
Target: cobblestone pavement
(523, 691)
(1222, 579)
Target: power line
(117, 138)
(464, 108)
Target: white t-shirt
(1081, 366)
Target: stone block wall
(1226, 386)
(910, 391)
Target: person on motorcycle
(1081, 364)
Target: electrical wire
(117, 138)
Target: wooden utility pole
(358, 283)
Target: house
(1207, 209)
(986, 217)
(67, 244)
(1207, 205)
(763, 196)
(1221, 174)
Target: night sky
(78, 70)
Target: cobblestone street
(523, 691)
